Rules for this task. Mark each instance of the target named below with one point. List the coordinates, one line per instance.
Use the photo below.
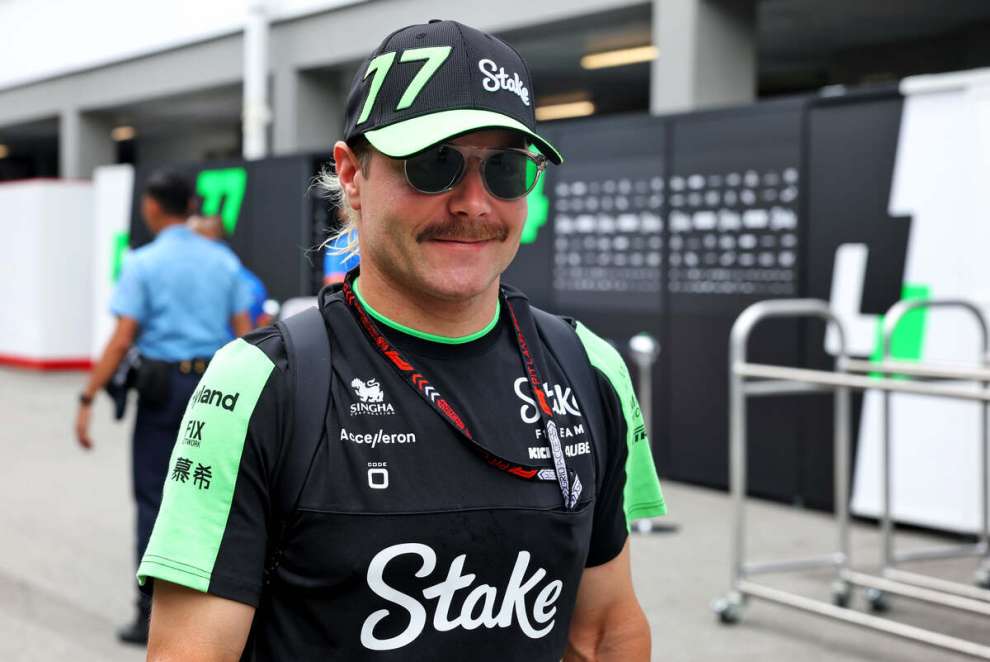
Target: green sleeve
(642, 496)
(204, 467)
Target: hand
(82, 426)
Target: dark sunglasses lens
(435, 170)
(510, 174)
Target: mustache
(453, 229)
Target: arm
(196, 627)
(240, 323)
(121, 340)
(608, 623)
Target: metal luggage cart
(760, 380)
(890, 558)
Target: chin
(459, 283)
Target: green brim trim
(414, 135)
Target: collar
(423, 335)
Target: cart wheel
(982, 578)
(728, 610)
(841, 593)
(878, 600)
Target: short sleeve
(130, 298)
(631, 489)
(609, 530)
(243, 294)
(211, 533)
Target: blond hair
(343, 241)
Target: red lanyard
(567, 479)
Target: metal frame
(890, 557)
(779, 380)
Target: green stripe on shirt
(642, 496)
(202, 472)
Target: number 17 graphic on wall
(224, 187)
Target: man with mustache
(453, 479)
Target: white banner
(940, 180)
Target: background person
(174, 301)
(211, 227)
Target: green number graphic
(380, 65)
(224, 188)
(434, 56)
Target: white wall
(46, 290)
(940, 180)
(46, 37)
(113, 187)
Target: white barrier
(46, 311)
(112, 198)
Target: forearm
(104, 368)
(621, 639)
(241, 324)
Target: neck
(170, 222)
(453, 320)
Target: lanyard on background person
(567, 479)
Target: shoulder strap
(562, 340)
(307, 346)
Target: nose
(470, 199)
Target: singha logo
(369, 391)
(372, 399)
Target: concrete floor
(66, 568)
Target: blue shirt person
(183, 291)
(259, 294)
(211, 227)
(175, 300)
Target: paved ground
(66, 564)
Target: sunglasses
(508, 173)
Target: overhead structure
(256, 115)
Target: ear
(349, 172)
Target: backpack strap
(307, 347)
(565, 345)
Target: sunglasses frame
(466, 153)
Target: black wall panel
(603, 249)
(273, 233)
(852, 145)
(734, 237)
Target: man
(462, 503)
(175, 299)
(211, 227)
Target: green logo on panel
(537, 210)
(907, 342)
(121, 242)
(222, 192)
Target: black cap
(431, 82)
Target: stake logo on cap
(428, 83)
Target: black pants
(154, 435)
